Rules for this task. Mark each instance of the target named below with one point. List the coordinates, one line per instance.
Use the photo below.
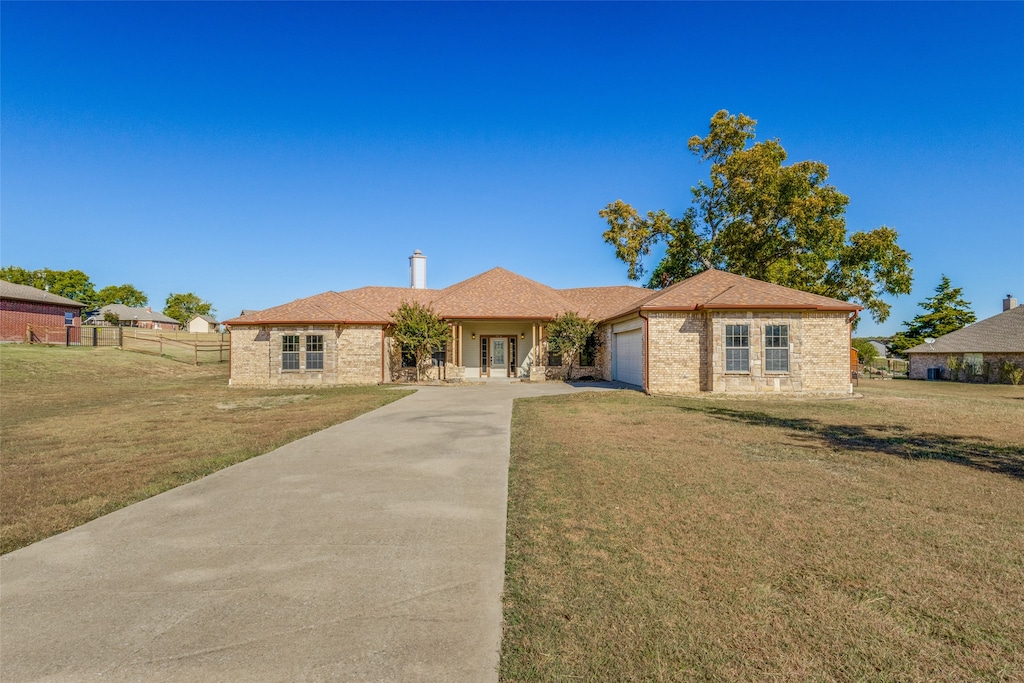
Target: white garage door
(628, 358)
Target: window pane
(315, 352)
(315, 342)
(737, 336)
(290, 342)
(737, 360)
(290, 360)
(776, 360)
(555, 359)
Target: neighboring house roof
(9, 290)
(502, 294)
(1002, 333)
(128, 313)
(208, 318)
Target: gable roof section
(1002, 333)
(717, 289)
(500, 293)
(9, 290)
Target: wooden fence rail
(194, 348)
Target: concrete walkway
(371, 551)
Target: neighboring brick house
(22, 306)
(715, 332)
(128, 316)
(984, 345)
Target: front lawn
(87, 431)
(655, 539)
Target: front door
(499, 357)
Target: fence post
(67, 336)
(196, 350)
(95, 336)
(120, 336)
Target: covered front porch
(492, 349)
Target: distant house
(22, 306)
(880, 347)
(987, 343)
(127, 316)
(203, 323)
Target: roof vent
(1009, 302)
(418, 270)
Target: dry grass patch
(87, 431)
(692, 539)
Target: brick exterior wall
(352, 355)
(16, 316)
(678, 354)
(687, 353)
(920, 362)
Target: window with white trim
(314, 352)
(290, 352)
(776, 348)
(737, 348)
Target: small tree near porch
(420, 331)
(568, 335)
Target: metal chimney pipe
(418, 270)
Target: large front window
(776, 348)
(737, 348)
(290, 352)
(315, 352)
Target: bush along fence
(186, 347)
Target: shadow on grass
(889, 439)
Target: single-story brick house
(22, 306)
(141, 316)
(984, 345)
(715, 332)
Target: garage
(628, 357)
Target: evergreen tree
(945, 312)
(419, 331)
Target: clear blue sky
(255, 153)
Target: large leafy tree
(945, 312)
(757, 216)
(568, 335)
(121, 294)
(72, 284)
(420, 331)
(184, 307)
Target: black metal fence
(74, 336)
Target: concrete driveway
(371, 551)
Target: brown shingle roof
(329, 307)
(1002, 333)
(600, 303)
(717, 289)
(502, 294)
(9, 290)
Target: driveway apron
(371, 551)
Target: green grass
(880, 539)
(87, 431)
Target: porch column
(533, 343)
